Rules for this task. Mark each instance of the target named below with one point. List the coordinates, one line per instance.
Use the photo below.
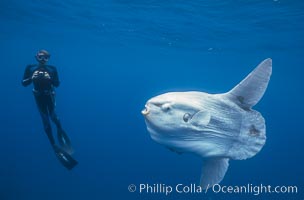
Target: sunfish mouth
(145, 111)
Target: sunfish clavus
(217, 127)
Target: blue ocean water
(112, 56)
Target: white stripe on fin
(250, 90)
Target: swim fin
(64, 141)
(65, 159)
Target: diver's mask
(42, 56)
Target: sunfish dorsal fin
(250, 90)
(213, 172)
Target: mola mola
(216, 127)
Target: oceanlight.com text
(253, 189)
(160, 188)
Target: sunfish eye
(166, 107)
(186, 117)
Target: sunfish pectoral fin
(201, 118)
(250, 90)
(213, 172)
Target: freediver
(45, 78)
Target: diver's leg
(64, 157)
(42, 107)
(52, 111)
(63, 138)
(47, 127)
(55, 118)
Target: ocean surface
(112, 56)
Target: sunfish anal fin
(213, 172)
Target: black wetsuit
(44, 94)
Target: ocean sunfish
(217, 127)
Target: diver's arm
(27, 77)
(55, 79)
(26, 82)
